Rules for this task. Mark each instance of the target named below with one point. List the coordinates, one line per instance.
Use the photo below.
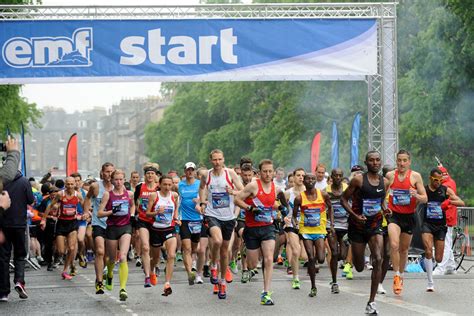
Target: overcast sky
(81, 96)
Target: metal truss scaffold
(382, 87)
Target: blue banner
(187, 50)
(355, 141)
(335, 147)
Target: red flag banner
(315, 151)
(71, 155)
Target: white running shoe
(430, 287)
(199, 279)
(371, 309)
(380, 289)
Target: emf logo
(20, 52)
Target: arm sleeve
(10, 166)
(136, 194)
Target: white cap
(189, 165)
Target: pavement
(50, 295)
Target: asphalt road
(49, 294)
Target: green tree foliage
(279, 119)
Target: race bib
(166, 217)
(312, 217)
(242, 214)
(264, 215)
(195, 227)
(220, 200)
(120, 208)
(401, 197)
(434, 211)
(339, 211)
(144, 203)
(371, 207)
(69, 209)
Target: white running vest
(220, 203)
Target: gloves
(445, 204)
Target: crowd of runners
(221, 219)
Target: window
(61, 151)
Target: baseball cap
(189, 165)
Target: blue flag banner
(23, 151)
(334, 147)
(355, 140)
(187, 50)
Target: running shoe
(90, 256)
(99, 287)
(167, 290)
(335, 288)
(239, 256)
(228, 275)
(20, 289)
(82, 261)
(295, 284)
(430, 287)
(252, 274)
(199, 280)
(147, 282)
(109, 285)
(3, 298)
(313, 292)
(317, 268)
(179, 257)
(245, 276)
(215, 289)
(289, 271)
(66, 276)
(205, 272)
(280, 260)
(138, 262)
(233, 267)
(348, 271)
(380, 289)
(371, 309)
(191, 278)
(397, 285)
(286, 263)
(50, 267)
(213, 277)
(123, 295)
(255, 270)
(73, 270)
(266, 298)
(222, 291)
(153, 279)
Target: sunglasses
(438, 179)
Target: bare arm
(249, 190)
(202, 191)
(420, 192)
(355, 184)
(132, 207)
(454, 199)
(93, 191)
(330, 212)
(151, 201)
(296, 208)
(236, 180)
(102, 212)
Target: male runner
(321, 181)
(406, 190)
(434, 221)
(315, 208)
(93, 200)
(216, 193)
(367, 192)
(82, 224)
(336, 243)
(258, 199)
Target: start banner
(187, 50)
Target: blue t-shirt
(187, 193)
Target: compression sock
(123, 274)
(429, 270)
(110, 269)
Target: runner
(66, 226)
(191, 220)
(321, 181)
(117, 205)
(279, 179)
(216, 193)
(142, 194)
(93, 200)
(258, 199)
(315, 208)
(336, 243)
(48, 223)
(134, 179)
(163, 208)
(406, 189)
(434, 221)
(82, 224)
(367, 192)
(293, 249)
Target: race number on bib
(401, 197)
(434, 211)
(312, 217)
(220, 200)
(166, 217)
(339, 211)
(195, 227)
(120, 208)
(69, 209)
(371, 207)
(264, 215)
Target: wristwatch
(249, 208)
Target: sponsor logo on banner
(20, 52)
